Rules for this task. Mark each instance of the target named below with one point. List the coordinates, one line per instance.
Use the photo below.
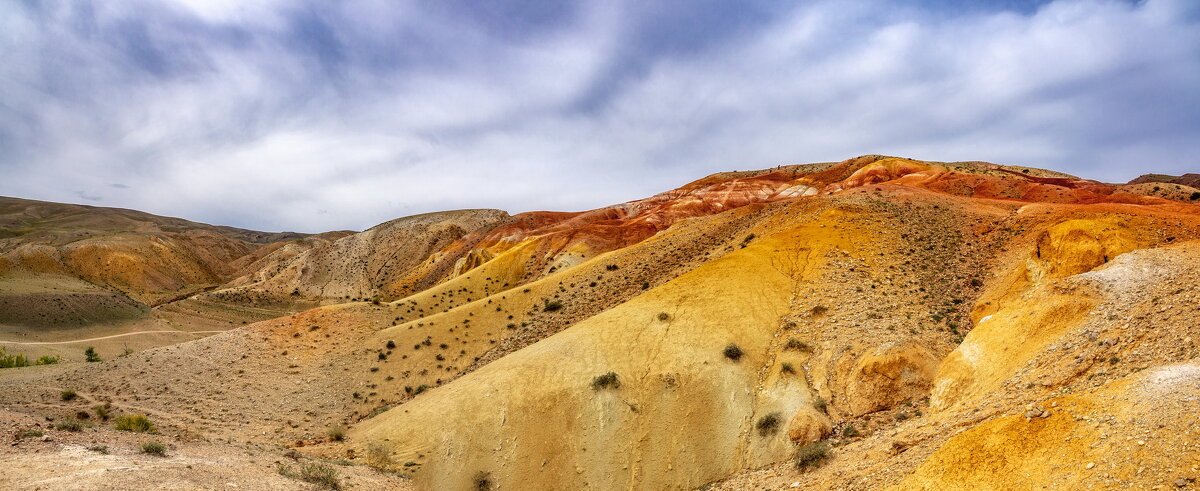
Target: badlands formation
(877, 323)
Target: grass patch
(337, 433)
(812, 456)
(100, 449)
(69, 425)
(154, 448)
(606, 381)
(552, 305)
(850, 431)
(483, 481)
(321, 475)
(797, 345)
(820, 404)
(68, 395)
(29, 433)
(137, 423)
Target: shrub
(662, 316)
(733, 352)
(391, 344)
(787, 367)
(90, 354)
(137, 423)
(104, 411)
(337, 433)
(1195, 196)
(29, 433)
(378, 456)
(69, 425)
(12, 361)
(820, 404)
(552, 305)
(606, 381)
(768, 425)
(811, 456)
(321, 475)
(850, 431)
(483, 481)
(797, 345)
(154, 448)
(47, 360)
(68, 395)
(100, 449)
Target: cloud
(319, 116)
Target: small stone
(1141, 442)
(45, 438)
(1089, 465)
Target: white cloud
(236, 120)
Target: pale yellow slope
(684, 413)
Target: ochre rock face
(888, 376)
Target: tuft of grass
(768, 425)
(154, 448)
(606, 381)
(378, 456)
(29, 433)
(100, 449)
(337, 433)
(786, 367)
(552, 305)
(662, 316)
(68, 395)
(69, 425)
(812, 456)
(137, 423)
(47, 360)
(733, 352)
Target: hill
(872, 323)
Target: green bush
(137, 423)
(812, 456)
(154, 448)
(552, 305)
(733, 352)
(47, 360)
(662, 316)
(850, 431)
(68, 395)
(1195, 196)
(820, 404)
(797, 345)
(90, 355)
(605, 381)
(12, 361)
(69, 425)
(103, 411)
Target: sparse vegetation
(154, 448)
(100, 449)
(820, 404)
(1195, 196)
(69, 425)
(12, 361)
(606, 381)
(786, 367)
(662, 316)
(68, 395)
(850, 431)
(29, 433)
(812, 456)
(90, 355)
(47, 360)
(321, 475)
(337, 433)
(552, 305)
(483, 481)
(103, 411)
(794, 344)
(768, 425)
(137, 423)
(732, 351)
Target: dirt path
(106, 337)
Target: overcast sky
(312, 116)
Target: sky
(315, 115)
